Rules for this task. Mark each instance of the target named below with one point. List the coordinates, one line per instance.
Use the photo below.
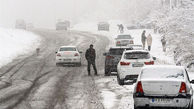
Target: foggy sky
(44, 13)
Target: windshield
(162, 73)
(67, 49)
(137, 55)
(124, 37)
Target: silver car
(63, 25)
(124, 40)
(163, 86)
(103, 26)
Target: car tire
(107, 71)
(58, 65)
(140, 107)
(120, 81)
(79, 64)
(190, 106)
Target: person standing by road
(121, 28)
(143, 39)
(149, 41)
(90, 56)
(163, 40)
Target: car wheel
(107, 71)
(120, 81)
(58, 65)
(141, 107)
(78, 64)
(190, 106)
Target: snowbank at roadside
(15, 42)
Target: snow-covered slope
(178, 28)
(16, 42)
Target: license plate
(67, 59)
(161, 100)
(137, 65)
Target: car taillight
(149, 63)
(109, 57)
(131, 42)
(139, 89)
(183, 88)
(124, 63)
(58, 54)
(76, 54)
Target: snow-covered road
(34, 82)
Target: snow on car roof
(123, 34)
(162, 72)
(134, 45)
(164, 66)
(130, 51)
(68, 46)
(103, 23)
(121, 47)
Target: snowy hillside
(16, 42)
(178, 27)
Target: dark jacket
(90, 54)
(163, 40)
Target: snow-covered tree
(178, 27)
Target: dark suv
(113, 57)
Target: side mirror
(80, 52)
(104, 54)
(192, 81)
(154, 58)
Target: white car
(68, 55)
(124, 40)
(163, 87)
(131, 63)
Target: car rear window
(124, 37)
(67, 49)
(137, 55)
(162, 73)
(118, 51)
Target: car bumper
(113, 68)
(122, 44)
(68, 60)
(129, 73)
(173, 102)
